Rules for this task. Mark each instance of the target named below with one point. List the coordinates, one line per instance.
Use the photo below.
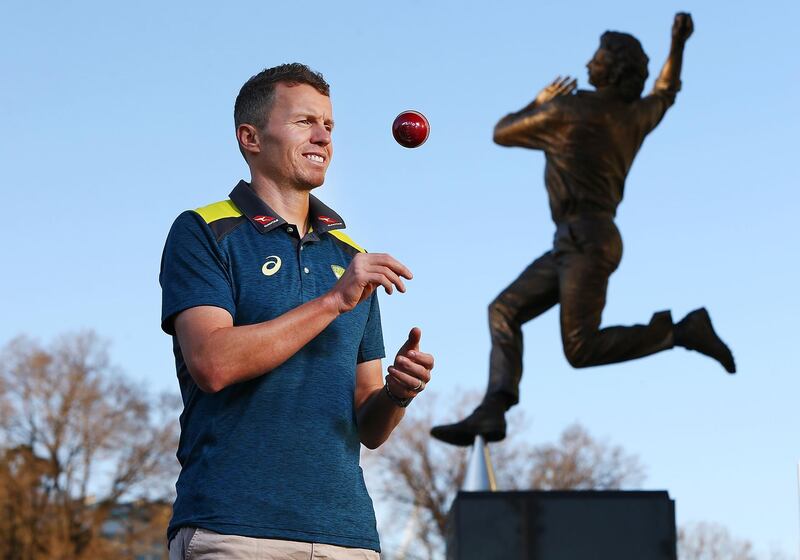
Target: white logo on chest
(272, 265)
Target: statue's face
(599, 68)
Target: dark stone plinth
(573, 525)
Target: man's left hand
(411, 370)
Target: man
(278, 346)
(590, 140)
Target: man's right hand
(366, 272)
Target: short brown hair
(258, 93)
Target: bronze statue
(590, 139)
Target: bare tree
(24, 522)
(418, 477)
(709, 541)
(79, 438)
(579, 462)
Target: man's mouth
(315, 158)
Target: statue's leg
(531, 294)
(589, 253)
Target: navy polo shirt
(276, 456)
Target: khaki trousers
(201, 544)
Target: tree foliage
(76, 439)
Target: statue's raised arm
(669, 79)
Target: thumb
(412, 343)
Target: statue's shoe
(488, 422)
(695, 332)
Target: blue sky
(116, 117)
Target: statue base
(562, 525)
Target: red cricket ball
(410, 129)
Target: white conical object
(480, 473)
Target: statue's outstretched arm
(669, 80)
(527, 127)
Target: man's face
(296, 146)
(598, 68)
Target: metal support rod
(480, 472)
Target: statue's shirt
(590, 140)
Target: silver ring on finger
(419, 387)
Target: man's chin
(309, 185)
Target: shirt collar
(265, 219)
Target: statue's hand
(559, 86)
(682, 27)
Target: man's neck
(289, 202)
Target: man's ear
(249, 138)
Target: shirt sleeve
(371, 347)
(651, 108)
(193, 271)
(538, 128)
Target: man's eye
(304, 121)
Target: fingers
(381, 269)
(366, 272)
(562, 85)
(414, 336)
(411, 375)
(421, 358)
(410, 349)
(382, 259)
(412, 366)
(377, 279)
(566, 85)
(402, 390)
(390, 275)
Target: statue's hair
(628, 63)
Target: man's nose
(321, 135)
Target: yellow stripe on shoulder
(341, 236)
(219, 210)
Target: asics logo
(272, 265)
